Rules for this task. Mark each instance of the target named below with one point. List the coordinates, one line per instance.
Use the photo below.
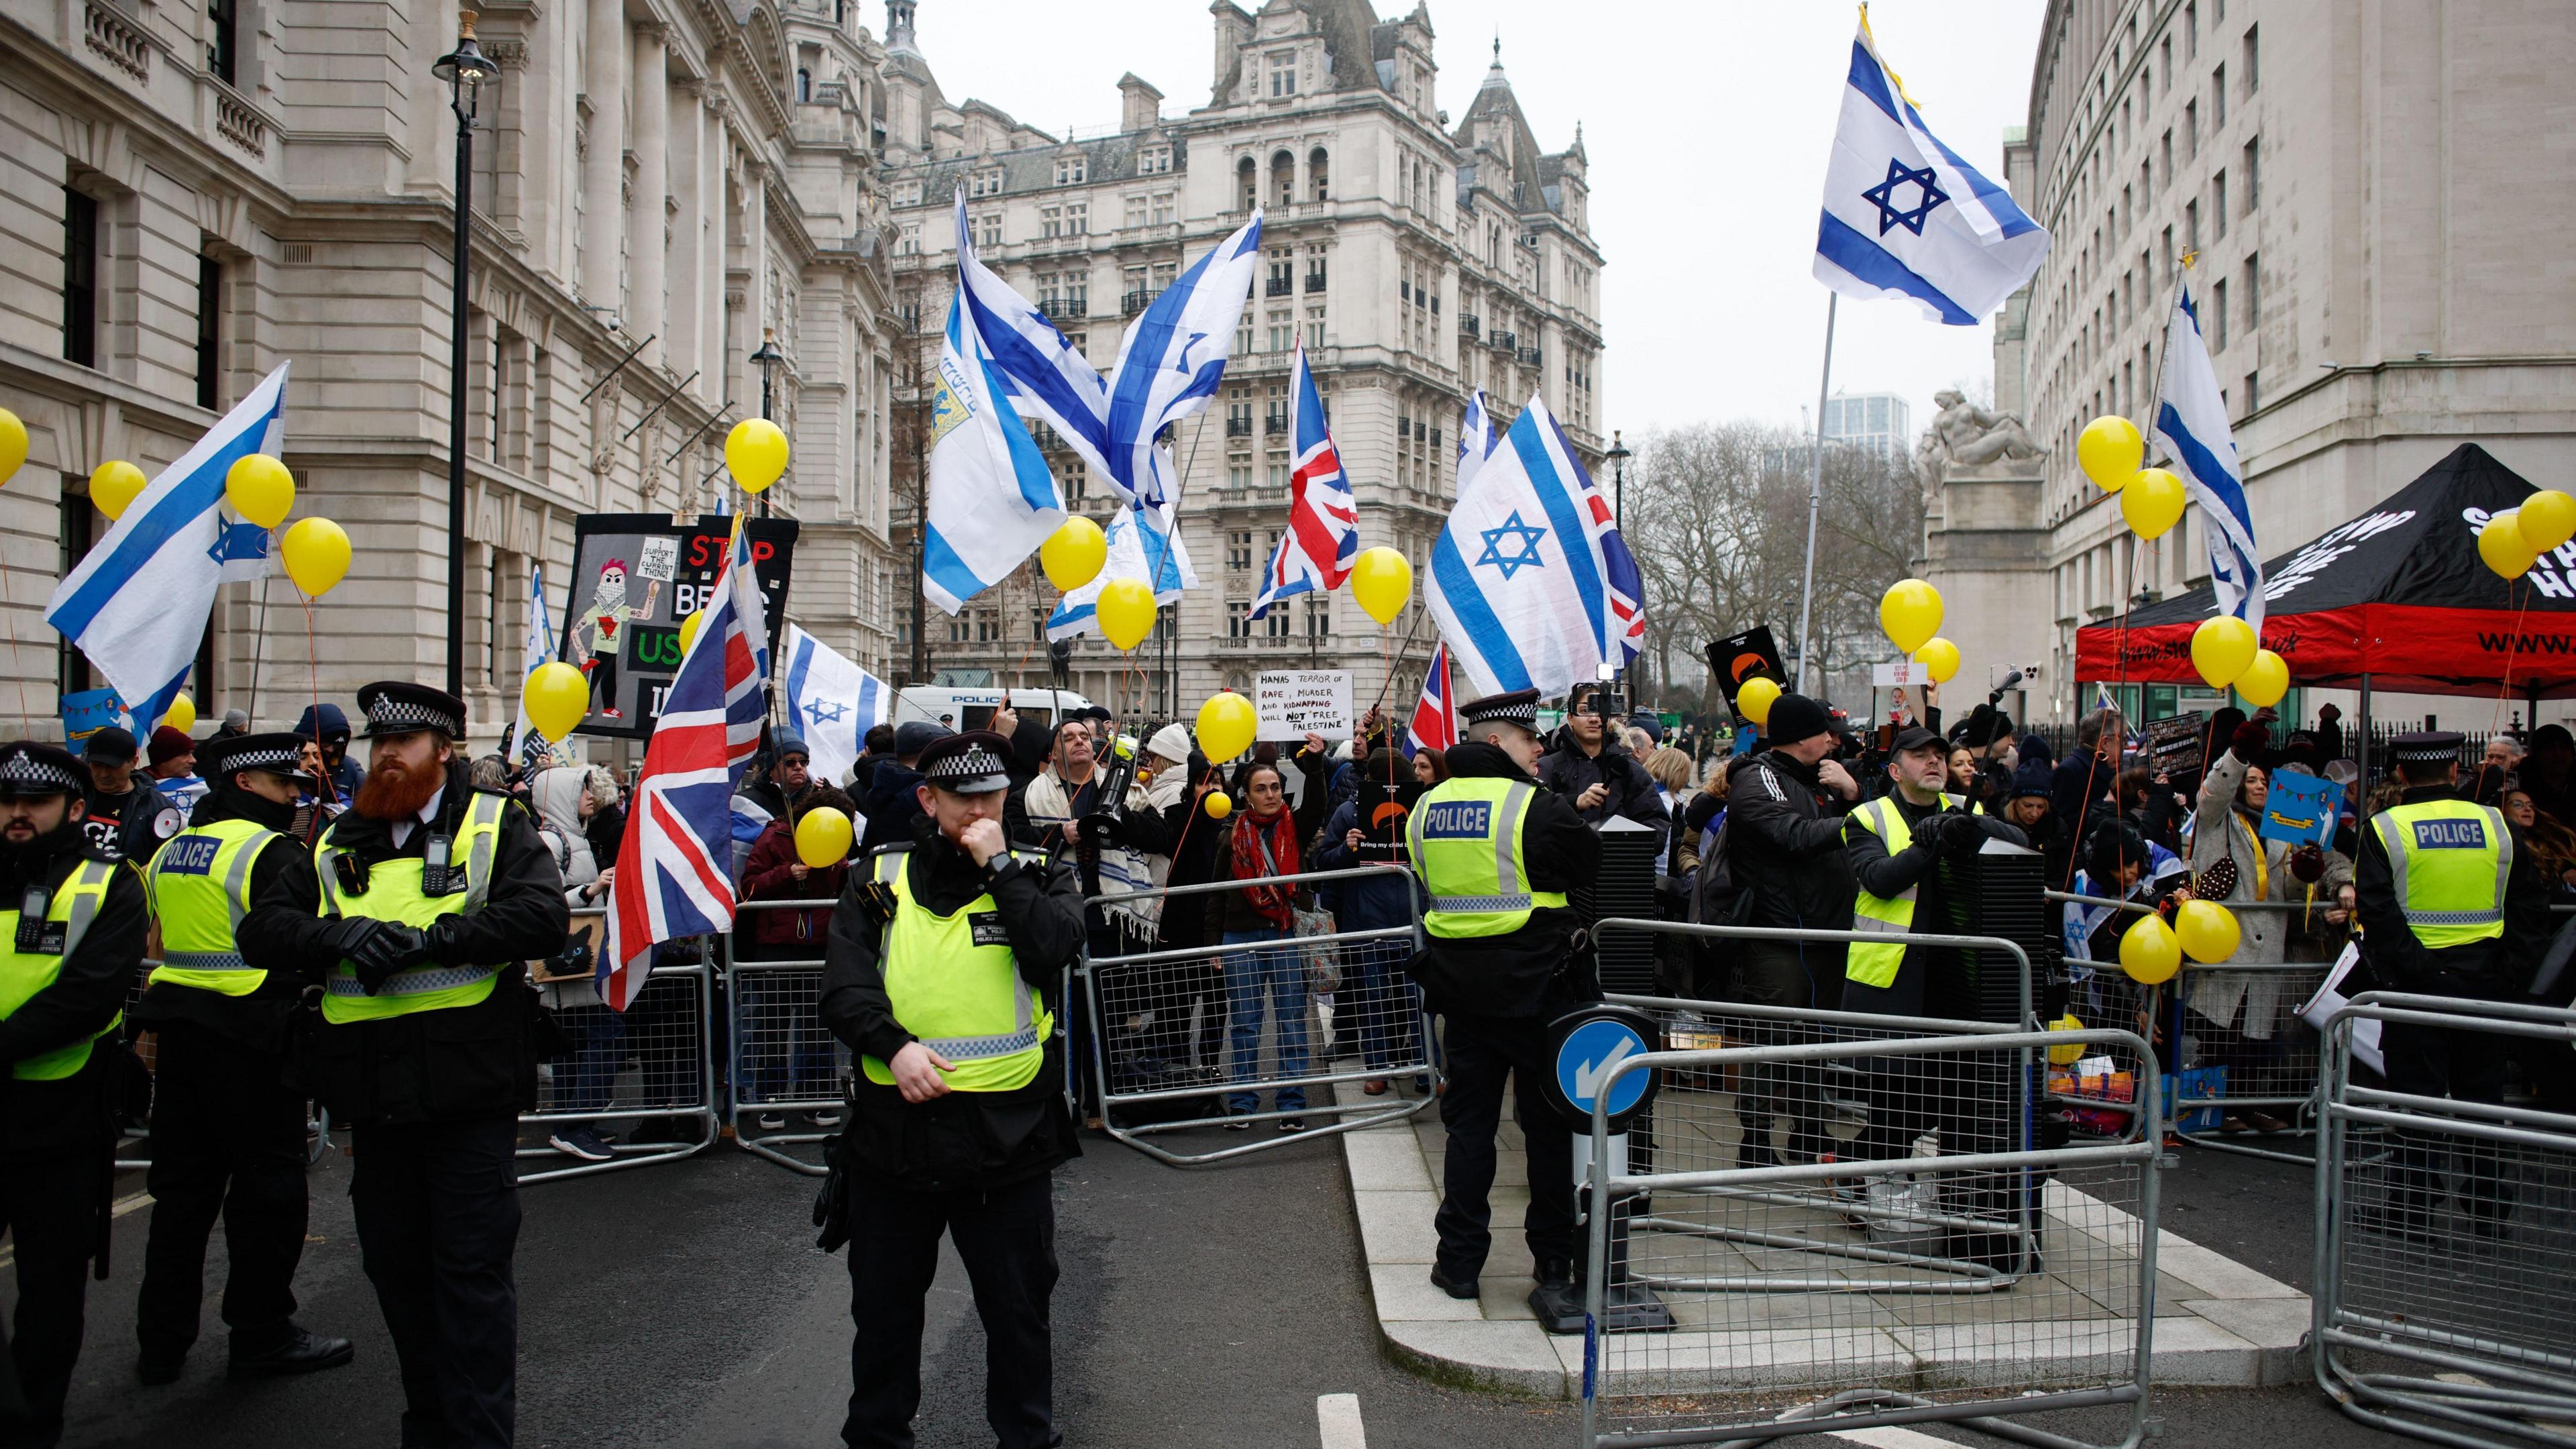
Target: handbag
(1323, 963)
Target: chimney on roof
(1138, 107)
(899, 27)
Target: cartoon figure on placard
(607, 613)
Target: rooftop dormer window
(1283, 73)
(1071, 170)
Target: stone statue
(1964, 436)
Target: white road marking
(1337, 1418)
(118, 1209)
(1892, 1437)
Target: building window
(1283, 178)
(1319, 620)
(210, 292)
(907, 193)
(1070, 170)
(223, 31)
(1318, 164)
(2218, 207)
(1238, 473)
(1278, 621)
(1077, 218)
(80, 278)
(1135, 211)
(2191, 30)
(1283, 332)
(984, 183)
(2253, 286)
(2252, 400)
(2191, 225)
(988, 229)
(2253, 73)
(1247, 184)
(1238, 551)
(2190, 129)
(1238, 618)
(2252, 175)
(2218, 97)
(1051, 221)
(1162, 210)
(804, 84)
(2218, 315)
(1283, 73)
(1153, 160)
(907, 242)
(2164, 60)
(79, 529)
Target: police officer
(227, 1120)
(2451, 904)
(419, 905)
(1496, 855)
(941, 972)
(72, 930)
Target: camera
(1607, 702)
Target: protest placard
(1292, 703)
(2301, 808)
(2175, 744)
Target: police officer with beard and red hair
(413, 914)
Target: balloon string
(329, 791)
(2520, 589)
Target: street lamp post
(1618, 456)
(768, 357)
(464, 70)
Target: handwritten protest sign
(2301, 809)
(1293, 702)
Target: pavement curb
(2229, 1327)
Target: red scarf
(1270, 900)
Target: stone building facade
(1421, 257)
(198, 193)
(2381, 274)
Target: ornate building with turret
(1421, 257)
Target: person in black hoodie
(1594, 771)
(972, 1160)
(228, 1110)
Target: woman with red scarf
(1265, 841)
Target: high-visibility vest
(394, 893)
(24, 973)
(962, 997)
(1874, 963)
(199, 882)
(1465, 839)
(2448, 860)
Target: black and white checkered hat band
(972, 763)
(263, 760)
(22, 771)
(397, 716)
(1521, 714)
(2433, 754)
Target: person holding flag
(1323, 533)
(432, 894)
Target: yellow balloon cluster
(755, 453)
(2110, 450)
(556, 697)
(2265, 680)
(1754, 699)
(114, 485)
(1227, 725)
(316, 551)
(260, 489)
(1939, 658)
(1910, 612)
(2149, 952)
(182, 713)
(1126, 609)
(2207, 931)
(2152, 502)
(13, 445)
(2547, 518)
(1074, 554)
(2222, 649)
(823, 837)
(1382, 581)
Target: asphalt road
(684, 1304)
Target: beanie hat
(1171, 742)
(169, 742)
(1795, 717)
(2033, 778)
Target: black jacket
(1890, 868)
(1784, 843)
(2493, 968)
(1632, 795)
(1517, 975)
(965, 1140)
(142, 818)
(458, 1064)
(70, 1114)
(258, 1020)
(890, 805)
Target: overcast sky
(1707, 124)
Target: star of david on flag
(1883, 195)
(1522, 538)
(1323, 534)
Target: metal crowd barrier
(781, 1061)
(2445, 1237)
(647, 1064)
(1153, 1016)
(1868, 1290)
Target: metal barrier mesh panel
(649, 1058)
(783, 1057)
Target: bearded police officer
(941, 973)
(2451, 903)
(1496, 855)
(227, 1114)
(72, 928)
(419, 905)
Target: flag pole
(1815, 491)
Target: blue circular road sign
(1589, 1046)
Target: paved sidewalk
(2217, 1322)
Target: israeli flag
(2191, 431)
(137, 605)
(1138, 541)
(1904, 216)
(248, 554)
(992, 500)
(832, 703)
(1475, 438)
(1041, 372)
(1170, 363)
(535, 651)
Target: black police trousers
(1006, 1238)
(2466, 1066)
(228, 1142)
(50, 1205)
(438, 1222)
(1481, 1051)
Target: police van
(972, 708)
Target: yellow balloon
(260, 489)
(2501, 544)
(690, 623)
(2548, 517)
(1940, 657)
(556, 697)
(1073, 555)
(2152, 502)
(2207, 931)
(13, 445)
(2073, 1052)
(823, 837)
(1910, 612)
(1382, 581)
(1227, 725)
(316, 551)
(755, 453)
(1126, 609)
(1754, 698)
(114, 487)
(2110, 450)
(2265, 680)
(1219, 805)
(182, 713)
(2222, 649)
(2149, 952)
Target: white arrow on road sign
(1588, 1077)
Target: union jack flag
(1323, 534)
(1435, 715)
(673, 880)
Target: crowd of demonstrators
(786, 1054)
(1263, 841)
(1372, 995)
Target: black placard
(1749, 655)
(628, 639)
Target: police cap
(400, 707)
(1519, 707)
(218, 759)
(972, 763)
(32, 768)
(2428, 747)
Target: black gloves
(2249, 741)
(1955, 831)
(375, 949)
(439, 941)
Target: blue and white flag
(250, 553)
(1904, 216)
(1044, 375)
(1475, 438)
(137, 605)
(538, 648)
(1530, 581)
(1138, 541)
(1322, 539)
(2191, 430)
(992, 500)
(1169, 365)
(832, 703)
